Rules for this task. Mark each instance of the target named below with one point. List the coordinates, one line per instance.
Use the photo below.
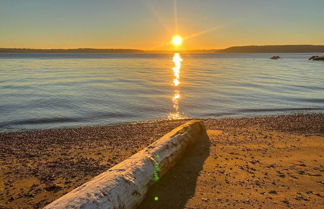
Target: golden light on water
(175, 100)
(176, 82)
(176, 69)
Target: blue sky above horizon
(149, 24)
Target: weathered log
(124, 186)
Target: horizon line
(242, 48)
(197, 49)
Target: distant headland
(274, 49)
(233, 49)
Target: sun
(177, 40)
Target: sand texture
(37, 167)
(263, 162)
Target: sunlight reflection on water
(177, 60)
(71, 90)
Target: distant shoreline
(234, 49)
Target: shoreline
(38, 166)
(306, 111)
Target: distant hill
(274, 49)
(80, 50)
(234, 49)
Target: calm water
(68, 90)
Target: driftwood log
(124, 186)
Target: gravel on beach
(39, 166)
(275, 161)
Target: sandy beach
(263, 162)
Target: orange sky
(150, 24)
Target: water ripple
(65, 90)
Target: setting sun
(160, 103)
(177, 40)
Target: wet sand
(264, 162)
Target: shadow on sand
(177, 186)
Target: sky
(150, 24)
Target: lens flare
(177, 40)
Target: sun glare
(177, 40)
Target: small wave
(64, 120)
(108, 115)
(216, 115)
(39, 121)
(278, 110)
(312, 100)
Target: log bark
(124, 186)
